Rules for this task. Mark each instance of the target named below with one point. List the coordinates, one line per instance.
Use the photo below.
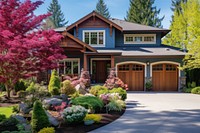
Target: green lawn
(6, 111)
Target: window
(69, 66)
(158, 67)
(94, 38)
(149, 38)
(139, 38)
(124, 68)
(129, 39)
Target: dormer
(95, 30)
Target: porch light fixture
(148, 63)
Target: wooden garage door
(165, 77)
(133, 75)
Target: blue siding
(109, 40)
(120, 40)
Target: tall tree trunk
(7, 90)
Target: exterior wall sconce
(148, 63)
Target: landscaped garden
(72, 105)
(192, 88)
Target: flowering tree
(25, 50)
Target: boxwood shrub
(196, 90)
(89, 102)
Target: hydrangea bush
(74, 114)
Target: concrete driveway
(158, 113)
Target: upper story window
(139, 38)
(94, 37)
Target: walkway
(158, 113)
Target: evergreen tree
(57, 16)
(102, 9)
(48, 24)
(39, 119)
(143, 12)
(54, 83)
(176, 5)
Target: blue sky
(76, 9)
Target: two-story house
(134, 50)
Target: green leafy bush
(149, 85)
(191, 84)
(8, 124)
(20, 85)
(89, 102)
(196, 90)
(187, 90)
(2, 117)
(95, 117)
(98, 90)
(115, 105)
(39, 117)
(31, 88)
(67, 88)
(74, 114)
(47, 130)
(54, 83)
(2, 87)
(121, 92)
(75, 95)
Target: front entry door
(100, 70)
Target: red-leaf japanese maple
(25, 50)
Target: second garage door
(165, 77)
(133, 75)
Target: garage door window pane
(124, 68)
(137, 67)
(158, 67)
(170, 67)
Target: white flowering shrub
(74, 114)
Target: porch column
(85, 62)
(112, 61)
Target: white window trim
(98, 45)
(71, 59)
(139, 35)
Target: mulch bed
(78, 128)
(81, 128)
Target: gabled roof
(94, 13)
(130, 26)
(65, 33)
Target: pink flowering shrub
(83, 81)
(114, 82)
(61, 107)
(106, 98)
